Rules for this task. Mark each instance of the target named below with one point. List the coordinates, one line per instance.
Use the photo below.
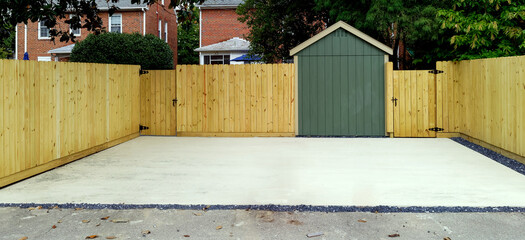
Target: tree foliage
(409, 23)
(7, 46)
(150, 52)
(276, 26)
(485, 28)
(188, 39)
(85, 14)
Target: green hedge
(150, 52)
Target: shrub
(150, 52)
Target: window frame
(223, 60)
(71, 30)
(44, 59)
(160, 29)
(40, 32)
(166, 31)
(110, 23)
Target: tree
(277, 26)
(188, 39)
(408, 23)
(150, 52)
(85, 14)
(485, 28)
(7, 46)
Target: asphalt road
(57, 223)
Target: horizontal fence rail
(54, 113)
(236, 100)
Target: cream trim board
(296, 63)
(346, 27)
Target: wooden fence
(54, 113)
(485, 100)
(236, 100)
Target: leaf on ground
(39, 207)
(361, 220)
(295, 222)
(104, 218)
(59, 221)
(78, 209)
(218, 227)
(146, 232)
(54, 226)
(186, 235)
(206, 208)
(394, 235)
(111, 237)
(31, 208)
(23, 238)
(197, 214)
(97, 225)
(92, 237)
(447, 238)
(120, 221)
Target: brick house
(156, 19)
(221, 34)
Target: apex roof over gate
(346, 27)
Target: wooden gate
(158, 103)
(414, 101)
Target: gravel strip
(505, 161)
(275, 208)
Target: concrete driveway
(284, 171)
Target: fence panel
(54, 113)
(236, 100)
(157, 105)
(483, 99)
(414, 111)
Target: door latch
(174, 101)
(395, 101)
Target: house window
(115, 23)
(43, 31)
(160, 29)
(217, 59)
(166, 31)
(76, 31)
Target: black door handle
(174, 101)
(395, 101)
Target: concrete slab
(287, 171)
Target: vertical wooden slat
(3, 78)
(397, 78)
(420, 82)
(430, 114)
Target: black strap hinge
(435, 71)
(436, 129)
(141, 72)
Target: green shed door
(341, 87)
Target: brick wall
(165, 15)
(219, 25)
(131, 22)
